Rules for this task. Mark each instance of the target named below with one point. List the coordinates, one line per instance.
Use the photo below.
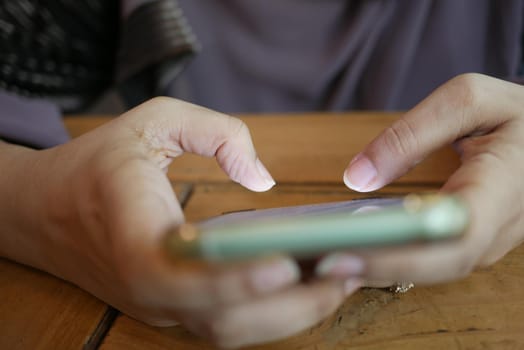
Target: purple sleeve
(32, 122)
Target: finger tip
(264, 174)
(340, 265)
(361, 174)
(261, 185)
(353, 186)
(347, 181)
(274, 273)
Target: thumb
(173, 127)
(461, 107)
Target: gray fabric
(299, 55)
(30, 121)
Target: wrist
(20, 207)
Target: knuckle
(466, 90)
(238, 127)
(465, 95)
(152, 109)
(400, 138)
(155, 103)
(160, 100)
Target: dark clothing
(300, 55)
(63, 51)
(58, 56)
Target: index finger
(468, 104)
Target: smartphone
(312, 230)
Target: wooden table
(307, 155)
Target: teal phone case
(306, 231)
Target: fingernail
(274, 276)
(264, 173)
(360, 174)
(340, 265)
(351, 285)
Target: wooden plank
(484, 310)
(448, 315)
(39, 311)
(322, 146)
(465, 312)
(314, 148)
(95, 339)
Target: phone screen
(309, 230)
(350, 206)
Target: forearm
(36, 123)
(19, 207)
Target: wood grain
(482, 311)
(307, 154)
(314, 149)
(39, 311)
(306, 148)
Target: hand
(95, 212)
(484, 118)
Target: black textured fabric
(62, 50)
(156, 44)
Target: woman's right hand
(95, 212)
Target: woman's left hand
(484, 118)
